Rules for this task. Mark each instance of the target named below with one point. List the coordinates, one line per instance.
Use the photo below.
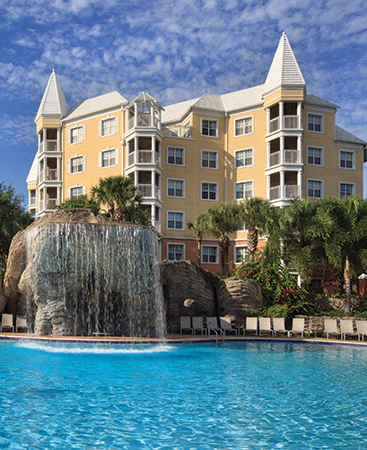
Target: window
(77, 164)
(209, 191)
(244, 158)
(176, 252)
(209, 254)
(32, 197)
(209, 127)
(76, 191)
(108, 158)
(175, 220)
(241, 254)
(315, 188)
(315, 156)
(186, 130)
(175, 188)
(315, 122)
(176, 156)
(77, 134)
(209, 159)
(346, 189)
(346, 159)
(107, 127)
(243, 126)
(244, 189)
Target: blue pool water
(253, 395)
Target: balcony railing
(289, 122)
(144, 157)
(49, 204)
(274, 159)
(32, 201)
(290, 191)
(290, 157)
(48, 146)
(274, 124)
(274, 192)
(144, 120)
(147, 191)
(51, 175)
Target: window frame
(81, 136)
(108, 119)
(171, 211)
(204, 119)
(247, 256)
(183, 188)
(216, 159)
(351, 152)
(70, 164)
(244, 150)
(309, 114)
(100, 158)
(321, 189)
(77, 186)
(216, 191)
(176, 147)
(244, 119)
(206, 246)
(176, 244)
(243, 182)
(350, 183)
(315, 147)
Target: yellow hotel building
(274, 141)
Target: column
(300, 183)
(267, 120)
(268, 148)
(154, 189)
(127, 118)
(300, 149)
(153, 150)
(58, 140)
(281, 115)
(282, 193)
(136, 177)
(136, 150)
(136, 115)
(44, 134)
(282, 142)
(151, 115)
(299, 114)
(268, 187)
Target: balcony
(50, 175)
(288, 123)
(148, 191)
(290, 191)
(48, 146)
(289, 157)
(49, 204)
(144, 157)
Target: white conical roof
(53, 103)
(284, 70)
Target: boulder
(236, 297)
(188, 290)
(3, 299)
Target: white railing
(146, 190)
(290, 191)
(49, 204)
(290, 122)
(158, 192)
(274, 124)
(145, 156)
(291, 156)
(32, 201)
(274, 192)
(274, 159)
(131, 159)
(51, 146)
(51, 174)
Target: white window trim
(183, 220)
(244, 134)
(211, 120)
(322, 155)
(76, 186)
(183, 253)
(108, 149)
(84, 164)
(353, 161)
(103, 120)
(83, 134)
(240, 182)
(183, 187)
(201, 191)
(322, 187)
(242, 150)
(322, 122)
(347, 182)
(183, 156)
(216, 159)
(216, 256)
(234, 253)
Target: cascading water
(86, 279)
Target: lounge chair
(226, 326)
(212, 325)
(346, 328)
(265, 325)
(185, 324)
(298, 327)
(279, 326)
(251, 325)
(7, 322)
(361, 329)
(198, 325)
(21, 322)
(331, 327)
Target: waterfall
(89, 279)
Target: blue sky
(174, 51)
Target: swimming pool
(242, 395)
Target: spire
(284, 70)
(53, 102)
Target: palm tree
(341, 224)
(259, 218)
(221, 220)
(199, 225)
(121, 198)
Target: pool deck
(173, 339)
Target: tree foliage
(13, 218)
(82, 201)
